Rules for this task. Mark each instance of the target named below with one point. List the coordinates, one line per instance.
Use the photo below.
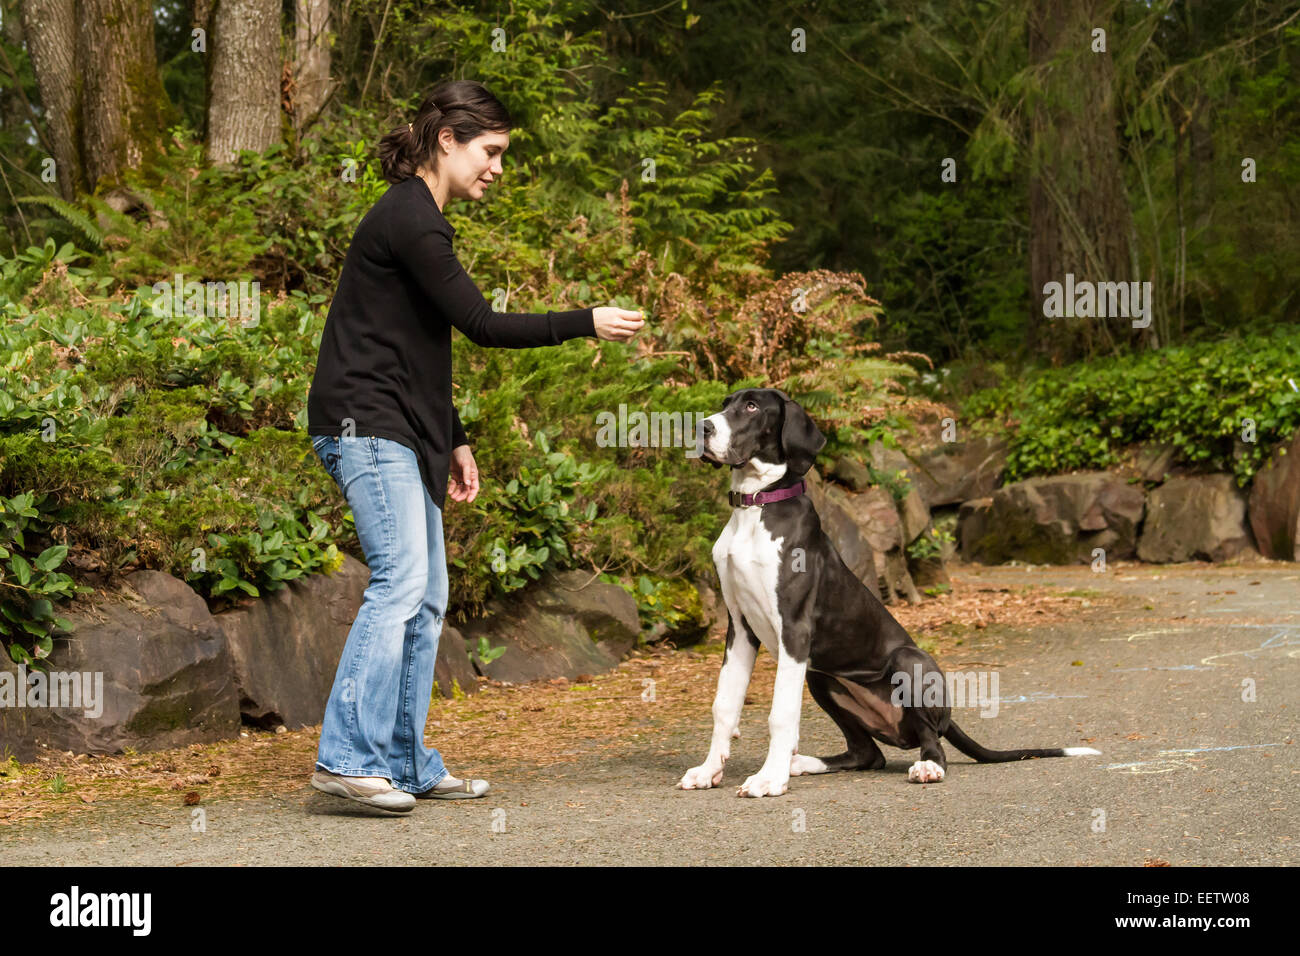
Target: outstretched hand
(616, 325)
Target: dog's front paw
(703, 777)
(925, 771)
(763, 785)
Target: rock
(953, 472)
(1275, 504)
(1153, 462)
(850, 471)
(715, 608)
(286, 647)
(136, 205)
(1059, 520)
(686, 600)
(912, 511)
(928, 572)
(846, 536)
(898, 580)
(1195, 517)
(562, 626)
(453, 668)
(876, 514)
(162, 664)
(913, 516)
(972, 525)
(881, 527)
(887, 460)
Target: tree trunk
(123, 104)
(311, 46)
(51, 30)
(14, 114)
(1080, 219)
(244, 78)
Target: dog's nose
(707, 428)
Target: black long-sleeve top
(385, 354)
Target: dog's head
(764, 424)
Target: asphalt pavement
(1190, 688)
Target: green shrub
(929, 544)
(30, 582)
(1197, 398)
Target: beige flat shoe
(460, 790)
(364, 790)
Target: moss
(1013, 536)
(164, 714)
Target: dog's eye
(751, 407)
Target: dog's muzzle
(708, 437)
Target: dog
(787, 588)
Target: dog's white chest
(748, 559)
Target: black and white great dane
(786, 587)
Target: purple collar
(739, 500)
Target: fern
(72, 215)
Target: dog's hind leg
(933, 764)
(926, 712)
(863, 754)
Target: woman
(383, 423)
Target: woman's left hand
(462, 481)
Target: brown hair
(465, 106)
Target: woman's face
(471, 168)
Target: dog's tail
(973, 750)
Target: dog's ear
(800, 439)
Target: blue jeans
(375, 716)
